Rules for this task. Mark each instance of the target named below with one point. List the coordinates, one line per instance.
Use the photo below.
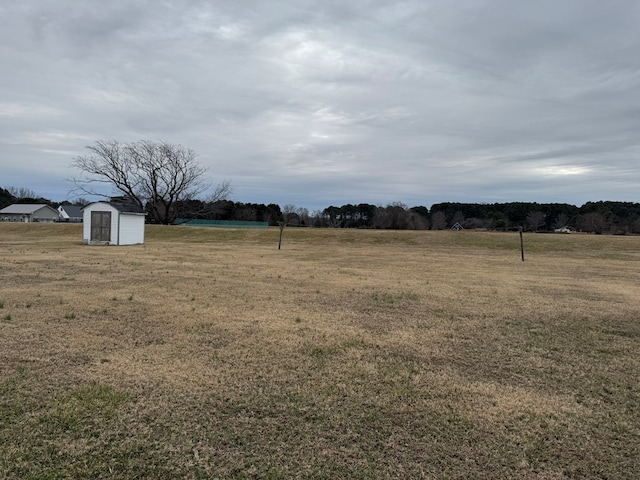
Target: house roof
(25, 208)
(72, 210)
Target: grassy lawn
(208, 353)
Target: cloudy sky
(318, 103)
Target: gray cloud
(319, 103)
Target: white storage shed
(112, 223)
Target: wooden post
(521, 245)
(282, 224)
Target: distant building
(29, 212)
(70, 213)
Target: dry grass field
(347, 354)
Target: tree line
(593, 217)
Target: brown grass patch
(347, 354)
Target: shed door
(100, 226)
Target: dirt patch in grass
(347, 354)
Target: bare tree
(303, 216)
(21, 192)
(562, 220)
(80, 201)
(458, 217)
(290, 215)
(438, 221)
(592, 222)
(153, 175)
(535, 220)
(417, 221)
(395, 216)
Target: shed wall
(131, 229)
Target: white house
(70, 213)
(112, 223)
(29, 212)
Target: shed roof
(128, 208)
(124, 207)
(25, 208)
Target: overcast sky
(318, 103)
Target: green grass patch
(59, 434)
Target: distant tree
(592, 222)
(21, 193)
(349, 216)
(317, 218)
(331, 216)
(561, 221)
(289, 214)
(517, 212)
(415, 221)
(272, 214)
(458, 217)
(303, 216)
(394, 216)
(423, 214)
(366, 214)
(6, 198)
(438, 221)
(246, 213)
(473, 222)
(152, 175)
(499, 221)
(535, 220)
(421, 210)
